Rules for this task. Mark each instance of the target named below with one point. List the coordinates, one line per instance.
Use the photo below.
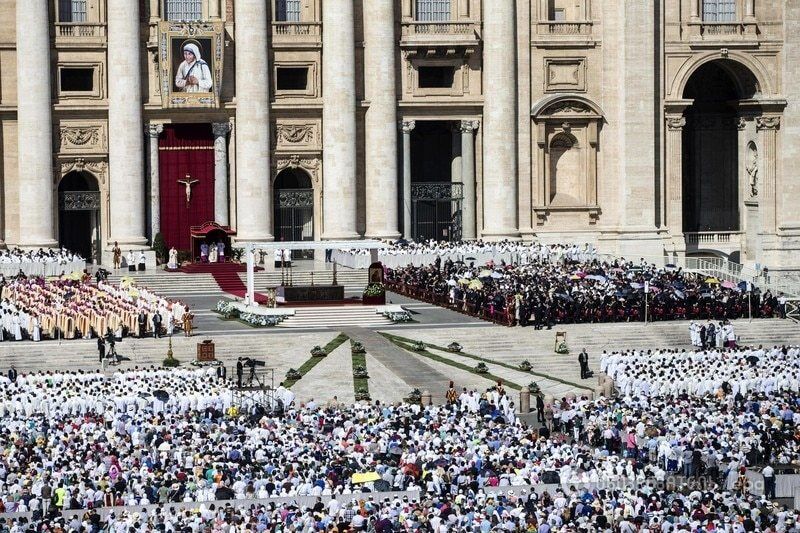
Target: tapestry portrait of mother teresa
(193, 74)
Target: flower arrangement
(318, 351)
(227, 309)
(481, 368)
(418, 346)
(398, 316)
(293, 375)
(374, 289)
(454, 347)
(534, 388)
(360, 371)
(259, 321)
(561, 348)
(525, 366)
(357, 347)
(362, 394)
(415, 396)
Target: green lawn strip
(312, 361)
(490, 361)
(406, 345)
(360, 359)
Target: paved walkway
(414, 373)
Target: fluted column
(408, 127)
(125, 124)
(34, 126)
(254, 184)
(499, 119)
(153, 131)
(468, 211)
(339, 120)
(221, 200)
(381, 120)
(674, 185)
(768, 134)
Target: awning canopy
(209, 227)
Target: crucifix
(188, 182)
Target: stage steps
(335, 317)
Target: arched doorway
(294, 209)
(711, 151)
(79, 214)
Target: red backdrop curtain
(185, 149)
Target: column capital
(676, 123)
(407, 125)
(153, 130)
(768, 123)
(220, 129)
(468, 126)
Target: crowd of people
(82, 441)
(41, 262)
(37, 308)
(543, 293)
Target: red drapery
(185, 149)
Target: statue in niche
(752, 168)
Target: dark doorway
(294, 209)
(711, 146)
(435, 199)
(79, 214)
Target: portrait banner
(190, 64)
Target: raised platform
(212, 268)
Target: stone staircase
(181, 284)
(335, 317)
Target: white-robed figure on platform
(36, 329)
(193, 74)
(173, 258)
(212, 254)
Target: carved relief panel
(82, 138)
(297, 135)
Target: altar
(309, 293)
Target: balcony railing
(568, 28)
(449, 31)
(80, 29)
(296, 28)
(721, 31)
(726, 238)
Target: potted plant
(415, 396)
(360, 371)
(418, 346)
(454, 347)
(362, 394)
(293, 375)
(357, 347)
(525, 366)
(561, 348)
(374, 294)
(481, 368)
(318, 351)
(533, 387)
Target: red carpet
(227, 277)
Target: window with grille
(719, 10)
(183, 10)
(72, 11)
(287, 10)
(433, 10)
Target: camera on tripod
(252, 363)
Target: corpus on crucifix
(188, 182)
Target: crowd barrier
(42, 269)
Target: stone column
(339, 120)
(153, 131)
(749, 10)
(674, 185)
(125, 124)
(695, 10)
(381, 120)
(499, 119)
(34, 126)
(768, 134)
(254, 182)
(214, 9)
(221, 197)
(408, 127)
(468, 213)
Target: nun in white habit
(193, 74)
